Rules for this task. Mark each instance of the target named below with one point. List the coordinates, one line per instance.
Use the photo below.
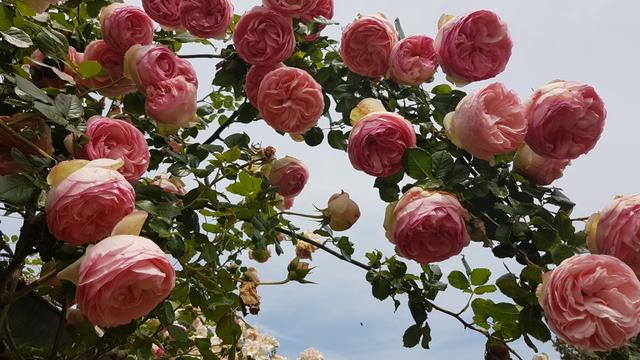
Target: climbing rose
(366, 45)
(164, 12)
(289, 175)
(207, 18)
(538, 169)
(149, 65)
(264, 37)
(413, 60)
(123, 26)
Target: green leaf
(426, 336)
(480, 276)
(441, 164)
(508, 284)
(89, 69)
(412, 336)
(418, 311)
(16, 189)
(17, 38)
(70, 106)
(247, 185)
(314, 136)
(30, 89)
(178, 333)
(134, 103)
(228, 330)
(381, 288)
(458, 280)
(417, 163)
(337, 140)
(531, 322)
(239, 140)
(165, 313)
(484, 289)
(6, 18)
(166, 210)
(52, 43)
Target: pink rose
(117, 139)
(113, 83)
(172, 102)
(123, 26)
(341, 211)
(284, 203)
(591, 302)
(289, 175)
(254, 78)
(42, 139)
(169, 184)
(566, 119)
(378, 141)
(413, 60)
(158, 351)
(164, 12)
(293, 8)
(149, 65)
(366, 45)
(615, 231)
(85, 206)
(207, 18)
(487, 122)
(264, 37)
(428, 226)
(538, 169)
(122, 278)
(473, 47)
(324, 8)
(290, 100)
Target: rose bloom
(342, 211)
(264, 37)
(149, 65)
(85, 206)
(117, 139)
(172, 102)
(42, 139)
(164, 12)
(123, 26)
(290, 100)
(324, 8)
(366, 45)
(591, 302)
(538, 169)
(473, 47)
(169, 184)
(254, 78)
(207, 18)
(113, 83)
(378, 141)
(413, 60)
(123, 278)
(289, 175)
(615, 231)
(284, 203)
(293, 8)
(487, 122)
(566, 119)
(310, 354)
(427, 226)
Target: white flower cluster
(310, 354)
(257, 346)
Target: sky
(587, 41)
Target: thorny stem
(26, 142)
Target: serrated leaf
(30, 89)
(441, 164)
(417, 163)
(16, 189)
(17, 38)
(69, 105)
(458, 280)
(51, 112)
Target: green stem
(319, 217)
(274, 283)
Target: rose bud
(591, 302)
(537, 169)
(298, 270)
(473, 47)
(264, 37)
(310, 354)
(123, 26)
(364, 108)
(413, 60)
(254, 78)
(158, 351)
(113, 83)
(289, 175)
(487, 122)
(341, 211)
(170, 184)
(566, 119)
(427, 226)
(41, 137)
(149, 65)
(260, 255)
(290, 100)
(172, 102)
(207, 18)
(324, 8)
(366, 45)
(164, 12)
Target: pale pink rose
(310, 354)
(40, 6)
(413, 60)
(113, 83)
(428, 226)
(615, 231)
(149, 65)
(123, 278)
(264, 37)
(591, 302)
(289, 175)
(172, 102)
(324, 8)
(169, 184)
(290, 100)
(293, 8)
(42, 140)
(158, 351)
(566, 119)
(164, 12)
(84, 207)
(538, 169)
(342, 212)
(473, 47)
(366, 45)
(123, 26)
(254, 78)
(117, 139)
(207, 18)
(378, 141)
(487, 122)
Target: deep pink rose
(264, 37)
(113, 83)
(149, 65)
(117, 139)
(566, 119)
(378, 141)
(615, 231)
(293, 8)
(366, 45)
(164, 12)
(123, 26)
(207, 18)
(538, 169)
(254, 78)
(591, 302)
(290, 100)
(413, 60)
(123, 278)
(487, 122)
(473, 47)
(324, 8)
(289, 175)
(428, 226)
(172, 102)
(84, 207)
